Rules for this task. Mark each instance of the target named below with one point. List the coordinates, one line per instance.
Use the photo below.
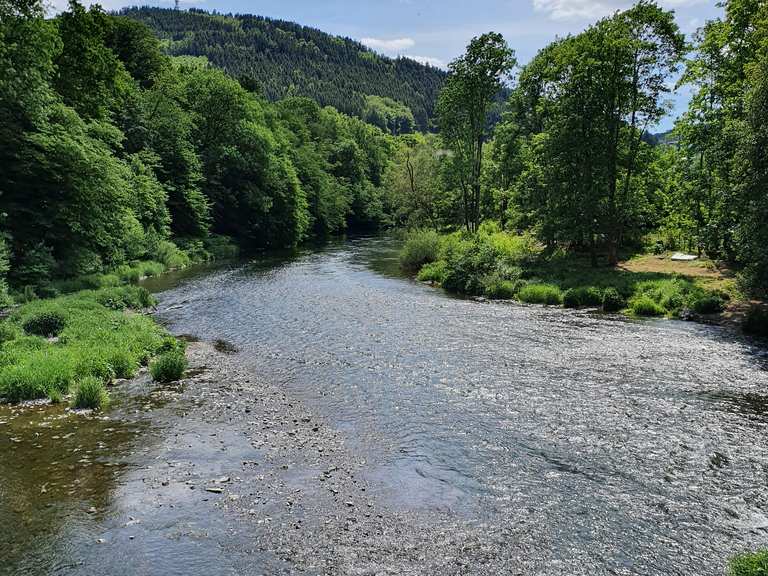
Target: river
(503, 438)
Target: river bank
(349, 421)
(500, 265)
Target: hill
(280, 59)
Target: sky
(437, 31)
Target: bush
(221, 247)
(754, 564)
(134, 297)
(433, 272)
(612, 300)
(8, 331)
(150, 268)
(540, 294)
(123, 363)
(584, 296)
(47, 323)
(90, 394)
(708, 305)
(421, 247)
(756, 321)
(171, 256)
(502, 289)
(168, 367)
(644, 306)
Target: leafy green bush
(123, 363)
(8, 331)
(582, 296)
(90, 394)
(134, 297)
(221, 247)
(708, 305)
(754, 564)
(644, 306)
(171, 256)
(168, 367)
(612, 300)
(421, 247)
(47, 323)
(756, 321)
(502, 289)
(433, 272)
(540, 294)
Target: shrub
(135, 297)
(540, 294)
(754, 564)
(46, 323)
(644, 306)
(90, 394)
(708, 305)
(583, 296)
(8, 331)
(612, 300)
(502, 289)
(171, 256)
(150, 268)
(421, 247)
(128, 274)
(168, 367)
(756, 321)
(221, 247)
(123, 363)
(433, 272)
(93, 363)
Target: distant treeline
(281, 59)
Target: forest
(279, 59)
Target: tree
(463, 106)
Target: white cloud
(392, 45)
(436, 62)
(592, 9)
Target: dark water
(604, 445)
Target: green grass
(98, 336)
(644, 305)
(754, 564)
(168, 367)
(541, 294)
(433, 272)
(90, 394)
(582, 296)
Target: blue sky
(437, 31)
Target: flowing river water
(500, 438)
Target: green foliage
(46, 323)
(708, 305)
(612, 300)
(280, 59)
(168, 367)
(644, 305)
(90, 394)
(751, 564)
(582, 296)
(433, 272)
(421, 247)
(540, 294)
(121, 298)
(498, 289)
(95, 341)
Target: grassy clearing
(50, 347)
(497, 264)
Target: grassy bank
(78, 344)
(500, 265)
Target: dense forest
(279, 59)
(114, 152)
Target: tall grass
(753, 564)
(421, 247)
(541, 294)
(97, 338)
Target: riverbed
(352, 421)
